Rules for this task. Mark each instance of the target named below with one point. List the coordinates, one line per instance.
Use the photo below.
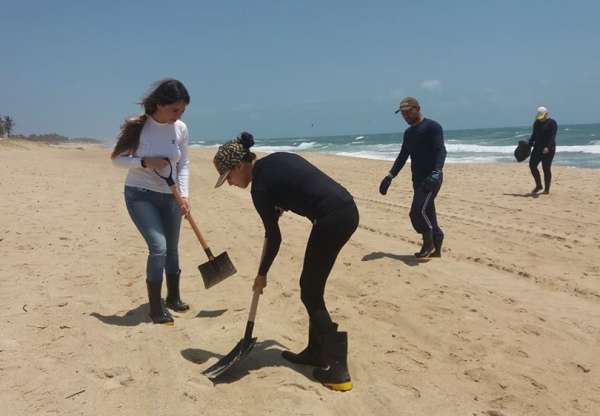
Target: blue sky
(299, 68)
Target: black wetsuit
(424, 143)
(289, 182)
(544, 135)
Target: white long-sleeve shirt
(159, 140)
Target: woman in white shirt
(157, 141)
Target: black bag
(522, 151)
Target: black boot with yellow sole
(335, 353)
(313, 353)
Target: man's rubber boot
(173, 301)
(335, 351)
(437, 244)
(546, 186)
(313, 353)
(427, 248)
(158, 314)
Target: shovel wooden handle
(203, 243)
(253, 306)
(251, 317)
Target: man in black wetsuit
(424, 143)
(286, 181)
(543, 140)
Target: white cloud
(431, 84)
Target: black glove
(432, 181)
(385, 184)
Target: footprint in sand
(531, 329)
(440, 309)
(510, 301)
(115, 377)
(494, 413)
(406, 391)
(538, 386)
(292, 387)
(475, 374)
(514, 351)
(503, 401)
(382, 393)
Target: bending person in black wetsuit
(543, 140)
(286, 181)
(424, 143)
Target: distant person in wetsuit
(424, 143)
(543, 140)
(286, 181)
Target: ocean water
(577, 145)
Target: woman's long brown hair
(165, 92)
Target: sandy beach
(506, 323)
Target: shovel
(216, 269)
(242, 348)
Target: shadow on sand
(211, 314)
(264, 354)
(526, 195)
(139, 315)
(408, 259)
(132, 317)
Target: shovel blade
(242, 349)
(217, 270)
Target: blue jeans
(157, 216)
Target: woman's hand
(260, 282)
(155, 162)
(185, 206)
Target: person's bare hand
(545, 151)
(185, 207)
(260, 282)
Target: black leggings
(546, 160)
(329, 234)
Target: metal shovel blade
(242, 349)
(216, 270)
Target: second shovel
(216, 269)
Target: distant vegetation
(54, 138)
(7, 125)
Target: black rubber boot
(335, 352)
(173, 301)
(437, 244)
(158, 314)
(312, 354)
(427, 248)
(538, 180)
(536, 189)
(546, 185)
